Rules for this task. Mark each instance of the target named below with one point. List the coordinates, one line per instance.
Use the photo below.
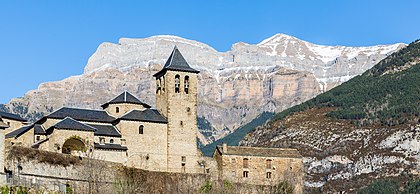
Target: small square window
(38, 138)
(183, 159)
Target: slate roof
(18, 132)
(71, 124)
(176, 62)
(82, 115)
(125, 97)
(259, 151)
(3, 125)
(12, 116)
(39, 129)
(148, 115)
(108, 146)
(106, 130)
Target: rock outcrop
(235, 86)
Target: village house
(130, 132)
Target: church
(127, 130)
(130, 132)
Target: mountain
(235, 86)
(365, 129)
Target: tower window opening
(177, 83)
(268, 164)
(117, 109)
(245, 164)
(111, 141)
(186, 84)
(246, 174)
(141, 129)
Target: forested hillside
(387, 94)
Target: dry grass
(29, 154)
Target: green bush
(380, 187)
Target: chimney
(225, 147)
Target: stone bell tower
(176, 99)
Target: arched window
(246, 163)
(186, 84)
(117, 109)
(177, 83)
(141, 129)
(111, 141)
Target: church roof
(71, 124)
(3, 125)
(109, 146)
(18, 132)
(82, 115)
(106, 130)
(125, 97)
(259, 151)
(39, 129)
(176, 62)
(148, 115)
(11, 116)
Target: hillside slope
(364, 129)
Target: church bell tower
(176, 99)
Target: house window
(183, 158)
(141, 129)
(246, 163)
(102, 140)
(38, 138)
(158, 86)
(111, 141)
(268, 175)
(268, 164)
(246, 174)
(117, 109)
(177, 83)
(183, 167)
(186, 84)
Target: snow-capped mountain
(235, 86)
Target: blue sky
(50, 40)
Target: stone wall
(148, 150)
(13, 124)
(51, 171)
(123, 109)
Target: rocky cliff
(363, 130)
(235, 86)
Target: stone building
(127, 130)
(261, 166)
(130, 132)
(8, 123)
